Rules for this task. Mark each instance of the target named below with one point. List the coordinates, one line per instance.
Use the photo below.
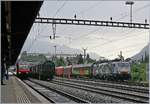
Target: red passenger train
(23, 70)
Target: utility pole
(54, 30)
(120, 56)
(84, 49)
(55, 50)
(130, 3)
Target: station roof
(23, 14)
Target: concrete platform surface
(15, 91)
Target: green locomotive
(43, 71)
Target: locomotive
(43, 71)
(112, 71)
(23, 70)
(106, 71)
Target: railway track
(54, 95)
(94, 94)
(123, 94)
(87, 96)
(108, 84)
(130, 83)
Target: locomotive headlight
(19, 72)
(27, 72)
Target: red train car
(81, 70)
(23, 70)
(68, 71)
(59, 71)
(63, 71)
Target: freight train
(107, 71)
(43, 71)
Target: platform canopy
(17, 18)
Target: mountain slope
(45, 47)
(144, 51)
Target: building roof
(22, 15)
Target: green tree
(142, 59)
(88, 59)
(146, 57)
(87, 56)
(24, 55)
(68, 61)
(80, 59)
(60, 62)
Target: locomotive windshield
(23, 66)
(123, 64)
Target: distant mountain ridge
(60, 49)
(144, 51)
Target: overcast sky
(104, 41)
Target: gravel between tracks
(89, 96)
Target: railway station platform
(16, 91)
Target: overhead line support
(91, 23)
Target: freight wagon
(106, 71)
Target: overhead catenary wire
(59, 9)
(124, 51)
(40, 32)
(96, 4)
(35, 39)
(86, 34)
(53, 24)
(108, 40)
(89, 8)
(114, 40)
(138, 9)
(135, 11)
(34, 28)
(32, 40)
(43, 28)
(124, 48)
